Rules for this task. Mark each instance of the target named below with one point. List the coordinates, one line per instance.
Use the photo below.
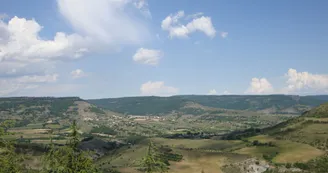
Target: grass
(196, 162)
(35, 126)
(258, 151)
(54, 126)
(291, 152)
(205, 144)
(288, 151)
(128, 159)
(42, 141)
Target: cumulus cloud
(199, 23)
(147, 56)
(157, 88)
(300, 81)
(78, 73)
(20, 41)
(28, 59)
(212, 92)
(296, 83)
(107, 21)
(24, 52)
(260, 86)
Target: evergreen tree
(153, 161)
(69, 159)
(10, 161)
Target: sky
(118, 48)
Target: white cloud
(142, 5)
(300, 81)
(20, 41)
(147, 56)
(199, 23)
(260, 86)
(110, 22)
(196, 15)
(9, 86)
(224, 34)
(38, 79)
(157, 88)
(78, 73)
(212, 92)
(226, 93)
(23, 52)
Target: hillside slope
(273, 104)
(310, 128)
(33, 110)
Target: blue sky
(115, 48)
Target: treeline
(189, 135)
(104, 130)
(238, 135)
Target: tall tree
(10, 161)
(69, 159)
(153, 162)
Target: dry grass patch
(291, 152)
(288, 151)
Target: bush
(302, 166)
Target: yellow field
(29, 131)
(196, 162)
(39, 141)
(207, 144)
(291, 152)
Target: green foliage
(303, 166)
(163, 105)
(319, 165)
(153, 161)
(97, 110)
(133, 139)
(146, 105)
(10, 161)
(318, 112)
(59, 107)
(104, 129)
(68, 159)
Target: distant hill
(27, 110)
(274, 104)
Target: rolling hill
(271, 104)
(310, 128)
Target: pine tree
(153, 162)
(69, 159)
(10, 161)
